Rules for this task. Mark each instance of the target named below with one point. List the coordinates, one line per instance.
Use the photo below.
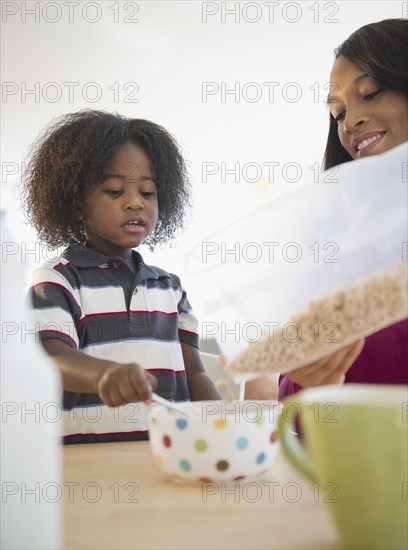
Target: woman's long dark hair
(380, 49)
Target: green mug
(355, 449)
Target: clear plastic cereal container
(314, 270)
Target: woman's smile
(365, 143)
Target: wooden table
(116, 497)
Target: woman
(368, 116)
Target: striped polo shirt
(98, 305)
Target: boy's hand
(122, 383)
(328, 370)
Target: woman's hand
(123, 383)
(328, 370)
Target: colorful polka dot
(222, 465)
(274, 437)
(242, 443)
(166, 441)
(238, 478)
(181, 423)
(260, 419)
(154, 420)
(260, 458)
(220, 424)
(200, 445)
(159, 460)
(205, 480)
(185, 465)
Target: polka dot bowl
(218, 442)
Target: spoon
(170, 405)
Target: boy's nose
(133, 201)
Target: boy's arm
(200, 385)
(115, 383)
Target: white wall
(169, 50)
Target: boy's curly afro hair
(67, 161)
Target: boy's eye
(148, 194)
(113, 192)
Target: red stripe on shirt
(154, 311)
(124, 313)
(102, 314)
(166, 370)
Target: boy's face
(120, 212)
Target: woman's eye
(340, 116)
(372, 95)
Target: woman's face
(371, 119)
